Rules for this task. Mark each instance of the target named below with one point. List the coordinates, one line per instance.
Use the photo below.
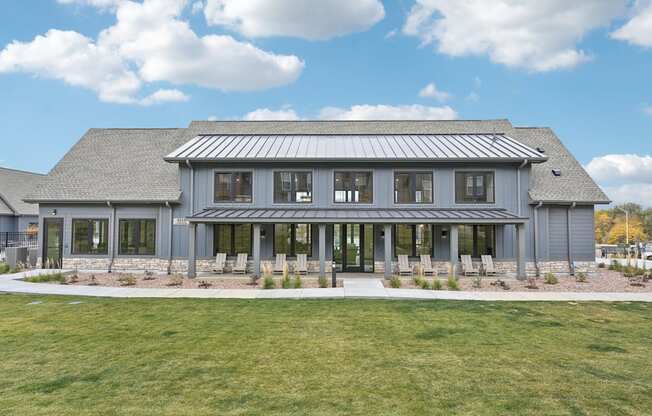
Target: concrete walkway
(352, 288)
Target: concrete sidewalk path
(352, 288)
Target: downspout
(192, 187)
(518, 186)
(167, 204)
(536, 238)
(113, 235)
(571, 263)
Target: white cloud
(164, 96)
(388, 112)
(101, 4)
(148, 43)
(307, 19)
(638, 30)
(267, 114)
(431, 91)
(539, 36)
(624, 177)
(648, 110)
(197, 7)
(392, 33)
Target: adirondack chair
(240, 264)
(220, 261)
(280, 263)
(467, 266)
(302, 264)
(404, 268)
(488, 265)
(426, 265)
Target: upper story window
(233, 187)
(292, 187)
(354, 187)
(137, 237)
(90, 236)
(474, 188)
(413, 187)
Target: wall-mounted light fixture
(444, 234)
(263, 233)
(53, 212)
(382, 234)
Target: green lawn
(220, 357)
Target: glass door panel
(53, 243)
(353, 247)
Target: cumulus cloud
(624, 177)
(102, 4)
(307, 19)
(638, 30)
(388, 112)
(149, 43)
(267, 114)
(539, 36)
(164, 96)
(431, 91)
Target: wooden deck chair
(467, 266)
(488, 265)
(240, 264)
(280, 263)
(426, 265)
(404, 268)
(220, 261)
(302, 264)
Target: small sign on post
(181, 221)
(333, 275)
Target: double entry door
(353, 247)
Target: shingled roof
(127, 164)
(14, 186)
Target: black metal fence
(18, 239)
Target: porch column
(256, 250)
(520, 252)
(322, 250)
(454, 248)
(192, 254)
(388, 251)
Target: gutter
(571, 263)
(113, 234)
(518, 186)
(536, 238)
(167, 204)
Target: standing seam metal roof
(425, 147)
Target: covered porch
(378, 233)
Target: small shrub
(127, 280)
(204, 284)
(424, 284)
(323, 282)
(4, 268)
(629, 271)
(601, 265)
(436, 285)
(580, 277)
(286, 282)
(452, 283)
(418, 281)
(149, 275)
(395, 282)
(476, 282)
(269, 283)
(298, 284)
(47, 278)
(531, 283)
(550, 279)
(175, 280)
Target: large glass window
(90, 236)
(477, 240)
(474, 187)
(233, 187)
(292, 187)
(293, 239)
(137, 237)
(232, 239)
(413, 187)
(413, 239)
(354, 187)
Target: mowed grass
(360, 357)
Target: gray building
(15, 214)
(349, 194)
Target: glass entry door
(353, 247)
(53, 242)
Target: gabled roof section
(116, 165)
(14, 186)
(573, 185)
(365, 147)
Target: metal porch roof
(350, 215)
(324, 147)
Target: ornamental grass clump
(580, 277)
(452, 283)
(476, 282)
(269, 283)
(550, 279)
(4, 268)
(286, 282)
(323, 282)
(127, 280)
(418, 281)
(298, 284)
(395, 282)
(47, 278)
(436, 285)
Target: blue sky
(583, 70)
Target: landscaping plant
(395, 282)
(323, 282)
(476, 282)
(452, 283)
(298, 284)
(286, 283)
(550, 279)
(436, 284)
(580, 277)
(176, 280)
(269, 283)
(127, 280)
(4, 268)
